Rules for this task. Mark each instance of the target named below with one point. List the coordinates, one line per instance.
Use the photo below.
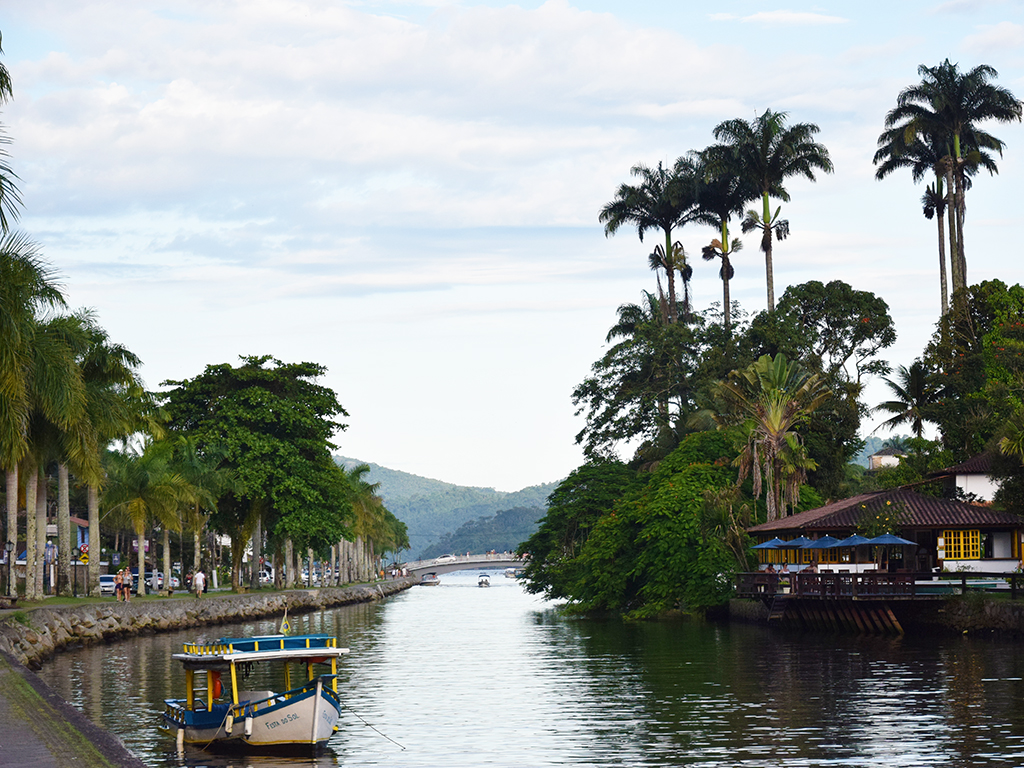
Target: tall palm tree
(765, 152)
(663, 200)
(952, 104)
(203, 470)
(28, 287)
(916, 395)
(721, 195)
(769, 399)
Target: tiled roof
(976, 465)
(889, 452)
(923, 512)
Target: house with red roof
(949, 535)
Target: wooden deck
(872, 586)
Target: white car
(106, 584)
(445, 559)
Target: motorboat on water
(217, 714)
(484, 580)
(513, 573)
(429, 580)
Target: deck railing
(869, 585)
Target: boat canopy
(265, 648)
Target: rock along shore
(47, 630)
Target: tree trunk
(766, 246)
(257, 552)
(12, 528)
(40, 532)
(954, 262)
(309, 566)
(64, 544)
(31, 485)
(95, 542)
(167, 562)
(673, 315)
(140, 583)
(942, 263)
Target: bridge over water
(449, 563)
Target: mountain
(503, 532)
(432, 508)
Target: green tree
(574, 507)
(767, 401)
(915, 397)
(765, 152)
(951, 105)
(274, 425)
(663, 200)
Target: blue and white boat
(217, 714)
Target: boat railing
(255, 644)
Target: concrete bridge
(449, 563)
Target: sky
(408, 192)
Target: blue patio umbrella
(773, 544)
(798, 543)
(825, 542)
(887, 539)
(853, 541)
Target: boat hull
(287, 722)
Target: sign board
(84, 557)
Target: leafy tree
(663, 200)
(574, 507)
(767, 401)
(765, 152)
(274, 424)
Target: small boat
(484, 580)
(218, 715)
(429, 580)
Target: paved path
(38, 729)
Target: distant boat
(429, 580)
(299, 719)
(484, 580)
(513, 573)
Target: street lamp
(9, 548)
(75, 553)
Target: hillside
(503, 532)
(433, 508)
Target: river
(457, 676)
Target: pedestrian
(127, 588)
(119, 585)
(199, 582)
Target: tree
(28, 287)
(764, 152)
(915, 397)
(574, 507)
(721, 194)
(274, 425)
(951, 105)
(664, 200)
(10, 197)
(767, 401)
(143, 488)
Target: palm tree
(143, 488)
(10, 197)
(951, 104)
(664, 200)
(915, 397)
(769, 399)
(721, 195)
(27, 288)
(203, 470)
(764, 152)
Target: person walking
(199, 582)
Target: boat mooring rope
(372, 728)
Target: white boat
(429, 580)
(218, 715)
(484, 580)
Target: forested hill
(432, 508)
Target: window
(963, 545)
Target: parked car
(106, 584)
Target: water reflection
(461, 676)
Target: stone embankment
(31, 637)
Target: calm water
(458, 676)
